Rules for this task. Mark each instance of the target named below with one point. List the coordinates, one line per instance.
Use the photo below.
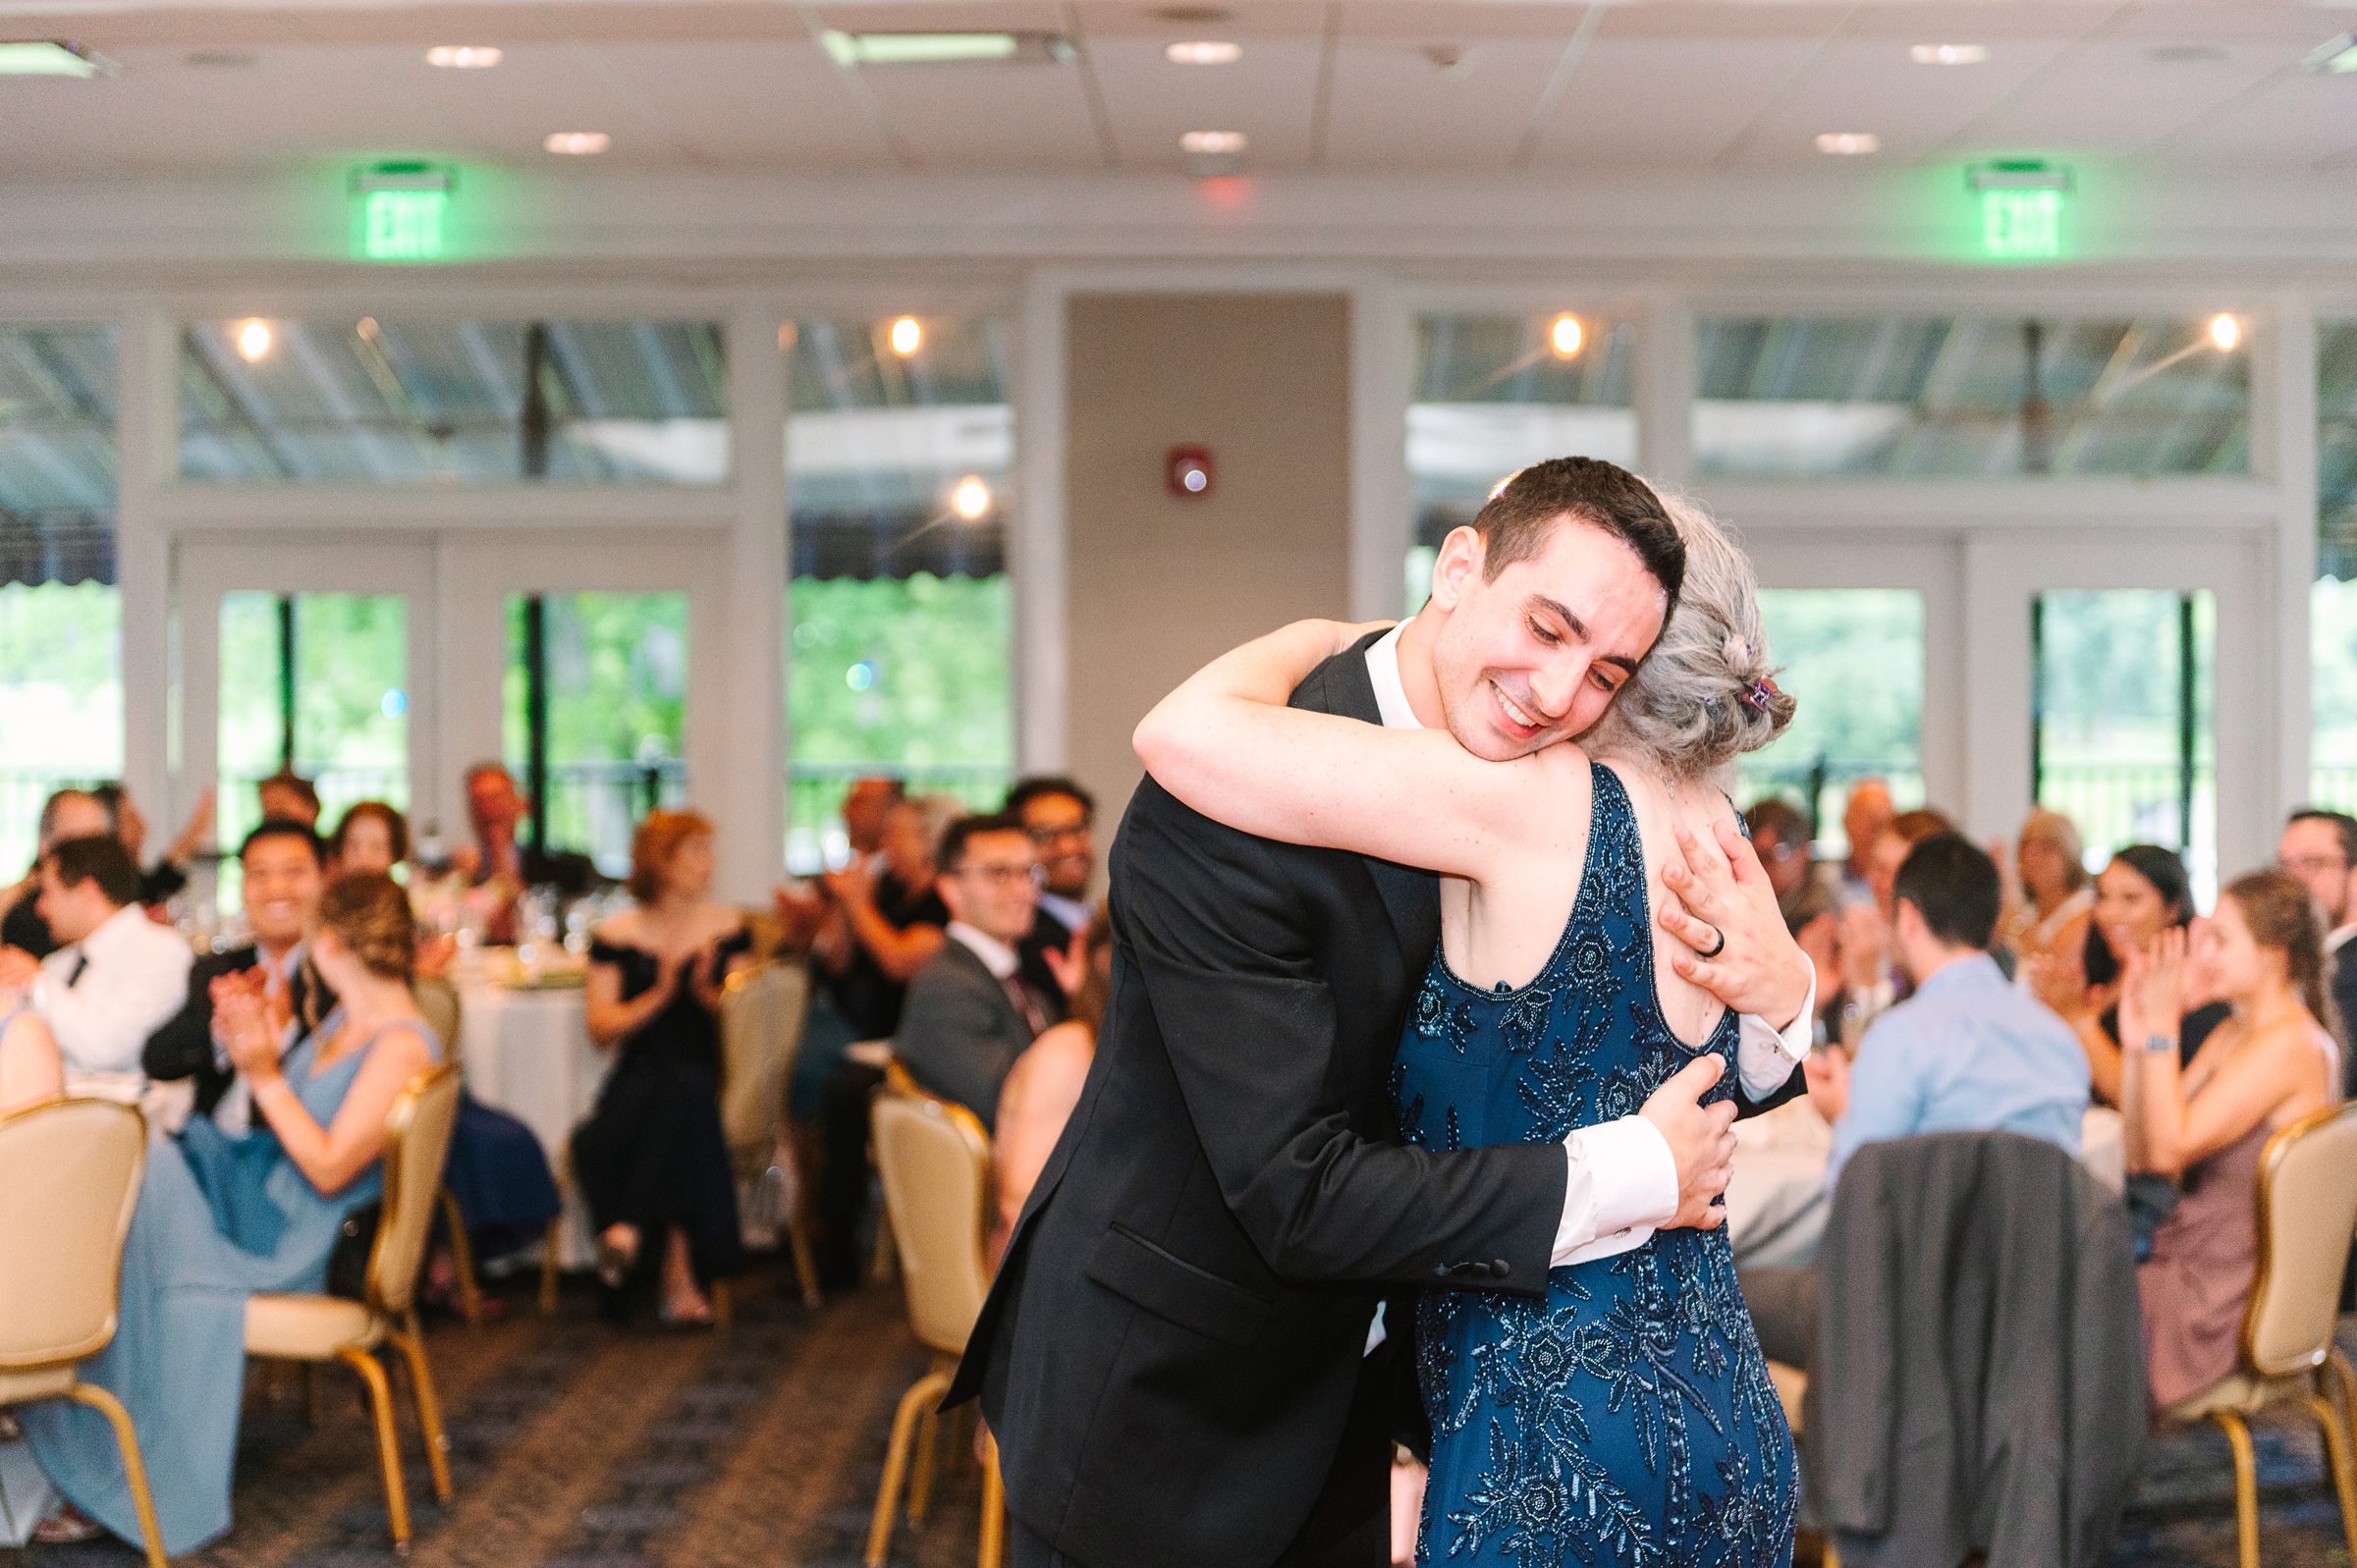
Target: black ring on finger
(1716, 948)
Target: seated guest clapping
(653, 1159)
(30, 1070)
(283, 878)
(1967, 1051)
(2271, 1063)
(117, 975)
(66, 814)
(221, 1219)
(970, 1011)
(1044, 1085)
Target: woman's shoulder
(724, 925)
(624, 930)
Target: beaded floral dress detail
(1628, 1417)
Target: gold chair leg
(135, 1468)
(805, 1266)
(724, 1303)
(551, 1248)
(926, 1393)
(429, 1406)
(2338, 1456)
(994, 1508)
(2345, 1380)
(388, 1443)
(880, 1268)
(928, 1453)
(461, 1258)
(2246, 1486)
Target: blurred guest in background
(284, 876)
(1044, 1085)
(1061, 817)
(2141, 894)
(30, 1069)
(2208, 1123)
(652, 1160)
(1780, 835)
(1872, 975)
(1868, 812)
(66, 814)
(118, 976)
(169, 875)
(2320, 847)
(970, 1012)
(288, 796)
(500, 863)
(2056, 899)
(371, 836)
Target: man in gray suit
(969, 1012)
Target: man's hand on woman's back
(1701, 1139)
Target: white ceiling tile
(989, 116)
(2107, 97)
(1660, 102)
(1393, 108)
(1872, 85)
(1268, 94)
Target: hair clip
(1762, 695)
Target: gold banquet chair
(318, 1329)
(761, 1015)
(69, 1181)
(934, 1159)
(438, 1000)
(2307, 1214)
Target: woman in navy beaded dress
(1627, 1417)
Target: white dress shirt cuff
(1766, 1056)
(1622, 1182)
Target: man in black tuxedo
(284, 870)
(1171, 1356)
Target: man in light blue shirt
(1967, 1053)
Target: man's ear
(1456, 567)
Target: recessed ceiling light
(1204, 52)
(1848, 142)
(577, 143)
(2334, 57)
(254, 339)
(462, 56)
(1948, 54)
(1215, 143)
(2225, 332)
(53, 58)
(908, 336)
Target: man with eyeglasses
(970, 1011)
(1061, 819)
(2320, 847)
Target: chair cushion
(2239, 1391)
(308, 1327)
(20, 1387)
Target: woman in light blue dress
(221, 1219)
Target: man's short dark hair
(1041, 787)
(285, 828)
(1513, 524)
(1778, 819)
(950, 859)
(101, 858)
(2343, 825)
(1954, 885)
(294, 784)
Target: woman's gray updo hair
(1703, 697)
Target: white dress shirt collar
(997, 957)
(1390, 694)
(118, 932)
(1073, 915)
(2340, 938)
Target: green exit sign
(404, 211)
(2021, 225)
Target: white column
(1382, 492)
(1035, 531)
(2283, 426)
(750, 797)
(1665, 392)
(1998, 692)
(155, 770)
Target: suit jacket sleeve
(954, 1037)
(1216, 932)
(183, 1045)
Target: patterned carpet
(578, 1445)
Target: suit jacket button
(1500, 1268)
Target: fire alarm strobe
(1189, 471)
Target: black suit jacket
(1171, 1352)
(183, 1047)
(960, 1031)
(2343, 968)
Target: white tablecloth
(528, 1052)
(1776, 1201)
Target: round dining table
(526, 1051)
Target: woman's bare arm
(1226, 744)
(331, 1157)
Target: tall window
(1495, 394)
(2333, 622)
(898, 449)
(1853, 657)
(391, 401)
(1929, 396)
(61, 663)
